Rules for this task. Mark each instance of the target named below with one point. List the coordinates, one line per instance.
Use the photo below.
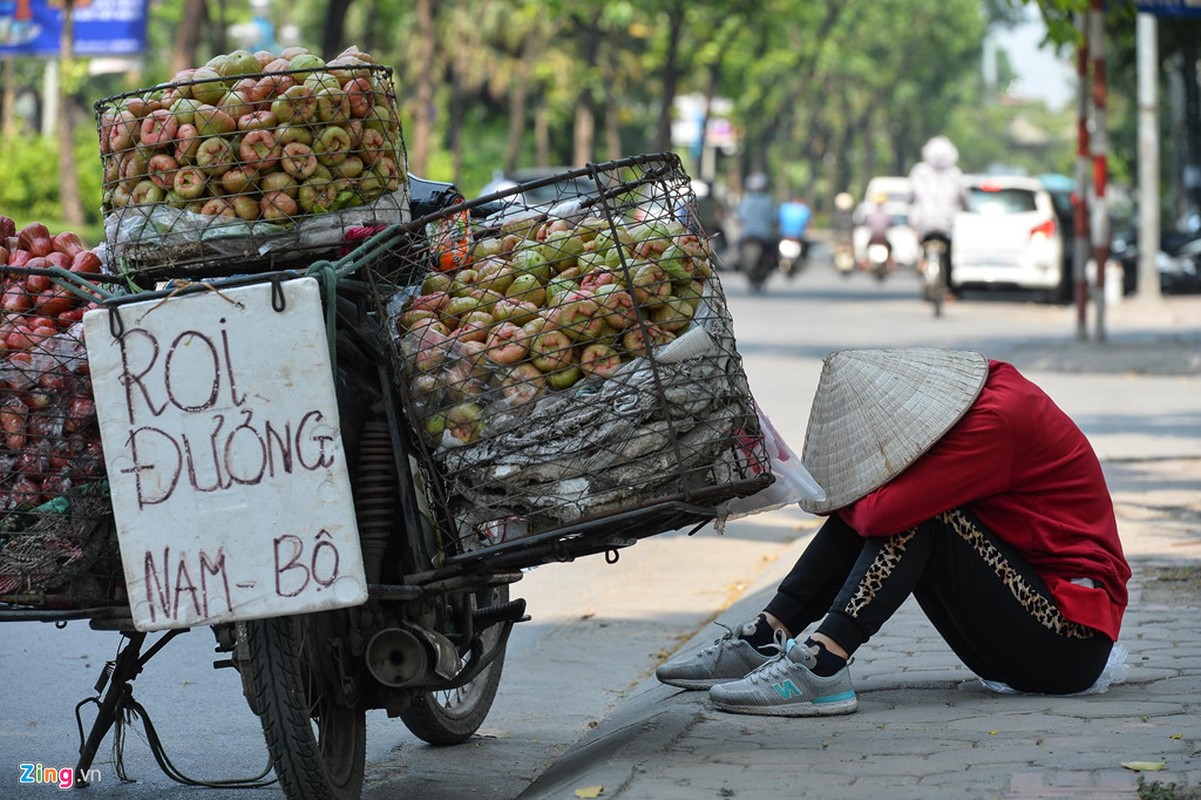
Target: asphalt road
(596, 629)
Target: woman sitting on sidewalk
(952, 478)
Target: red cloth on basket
(357, 235)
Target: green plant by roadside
(1154, 790)
(29, 176)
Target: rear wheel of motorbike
(317, 738)
(752, 263)
(938, 290)
(452, 716)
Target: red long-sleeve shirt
(1029, 474)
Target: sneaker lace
(773, 669)
(720, 640)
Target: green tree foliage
(29, 179)
(824, 94)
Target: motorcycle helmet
(843, 201)
(756, 182)
(940, 153)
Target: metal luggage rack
(524, 460)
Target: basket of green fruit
(569, 367)
(250, 162)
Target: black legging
(988, 604)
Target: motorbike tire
(453, 716)
(938, 288)
(318, 745)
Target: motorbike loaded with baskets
(336, 430)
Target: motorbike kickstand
(118, 674)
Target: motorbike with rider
(879, 260)
(757, 242)
(793, 219)
(844, 227)
(937, 194)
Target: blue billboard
(102, 27)
(1171, 8)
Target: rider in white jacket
(936, 193)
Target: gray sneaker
(787, 687)
(727, 659)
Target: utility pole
(68, 178)
(1100, 140)
(1080, 237)
(1147, 47)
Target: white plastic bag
(793, 482)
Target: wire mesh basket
(569, 364)
(254, 172)
(57, 543)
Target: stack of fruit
(569, 365)
(49, 440)
(535, 308)
(249, 137)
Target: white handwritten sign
(221, 436)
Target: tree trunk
(671, 76)
(458, 91)
(843, 158)
(816, 159)
(698, 168)
(9, 123)
(584, 133)
(519, 94)
(864, 130)
(333, 35)
(374, 40)
(424, 90)
(542, 134)
(68, 178)
(1192, 126)
(219, 29)
(187, 37)
(613, 149)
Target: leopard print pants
(1034, 602)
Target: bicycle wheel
(317, 737)
(452, 716)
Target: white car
(905, 248)
(550, 185)
(1009, 237)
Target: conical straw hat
(876, 411)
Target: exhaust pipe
(411, 656)
(396, 658)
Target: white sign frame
(221, 436)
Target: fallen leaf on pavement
(493, 733)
